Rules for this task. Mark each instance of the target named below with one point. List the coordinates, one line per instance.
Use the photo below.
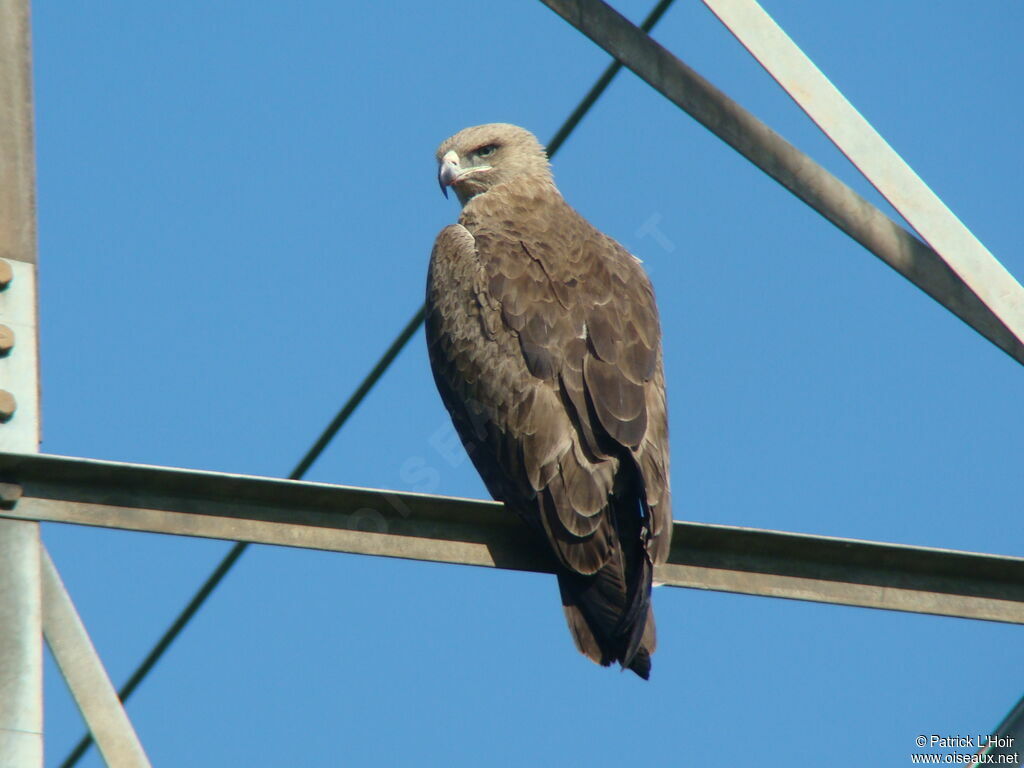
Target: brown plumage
(545, 345)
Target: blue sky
(236, 206)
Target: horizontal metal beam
(797, 172)
(86, 678)
(442, 529)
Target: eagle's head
(478, 159)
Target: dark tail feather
(609, 612)
(642, 664)
(609, 615)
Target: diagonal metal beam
(797, 172)
(86, 678)
(873, 157)
(1006, 742)
(442, 529)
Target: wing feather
(554, 365)
(545, 345)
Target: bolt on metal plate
(9, 495)
(6, 340)
(8, 405)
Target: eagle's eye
(487, 150)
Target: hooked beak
(451, 172)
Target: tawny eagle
(545, 346)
